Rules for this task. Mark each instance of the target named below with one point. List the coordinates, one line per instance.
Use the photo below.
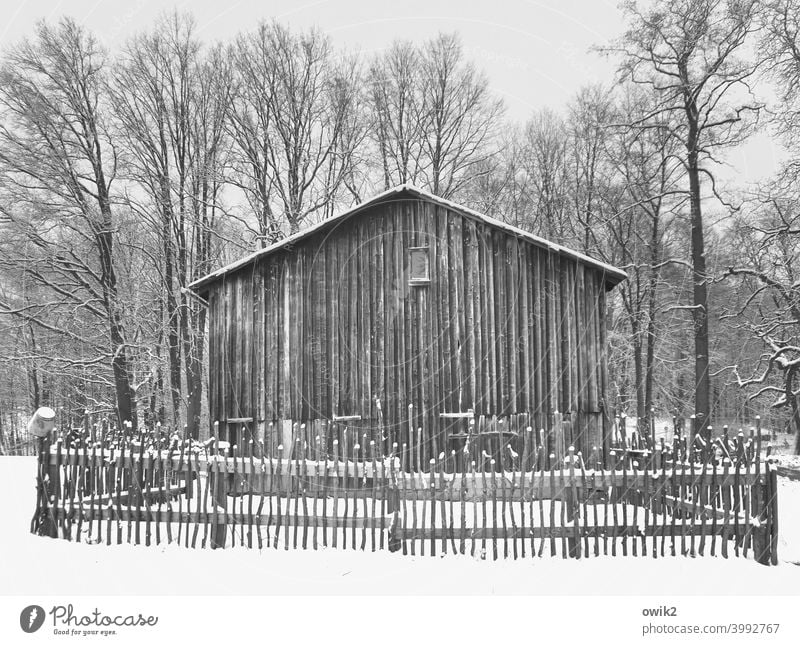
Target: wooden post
(218, 483)
(393, 500)
(43, 522)
(40, 426)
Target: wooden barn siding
(329, 325)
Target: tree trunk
(651, 325)
(172, 312)
(702, 380)
(126, 405)
(638, 371)
(194, 374)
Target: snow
(32, 565)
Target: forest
(128, 173)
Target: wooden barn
(410, 311)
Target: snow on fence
(660, 501)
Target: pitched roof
(613, 275)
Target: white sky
(535, 52)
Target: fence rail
(646, 502)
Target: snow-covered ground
(31, 565)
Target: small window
(419, 259)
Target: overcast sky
(536, 53)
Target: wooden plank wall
(330, 325)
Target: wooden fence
(655, 502)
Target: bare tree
(685, 53)
(295, 121)
(395, 97)
(170, 102)
(642, 172)
(546, 162)
(459, 117)
(435, 119)
(57, 166)
(768, 250)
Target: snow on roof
(613, 274)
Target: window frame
(417, 281)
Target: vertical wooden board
(275, 339)
(443, 219)
(463, 367)
(578, 360)
(438, 318)
(246, 350)
(435, 324)
(344, 282)
(379, 357)
(591, 340)
(300, 351)
(270, 342)
(472, 361)
(565, 279)
(226, 352)
(355, 283)
(366, 313)
(550, 387)
(243, 364)
(596, 349)
(401, 286)
(427, 320)
(324, 333)
(454, 308)
(279, 268)
(499, 268)
(597, 289)
(259, 344)
(415, 303)
(305, 316)
(603, 369)
(525, 326)
(587, 331)
(219, 353)
(538, 367)
(237, 358)
(316, 331)
(557, 382)
(332, 254)
(490, 328)
(542, 358)
(224, 380)
(512, 322)
(342, 285)
(230, 354)
(390, 315)
(479, 322)
(545, 334)
(581, 330)
(252, 340)
(287, 287)
(213, 355)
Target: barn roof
(613, 274)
